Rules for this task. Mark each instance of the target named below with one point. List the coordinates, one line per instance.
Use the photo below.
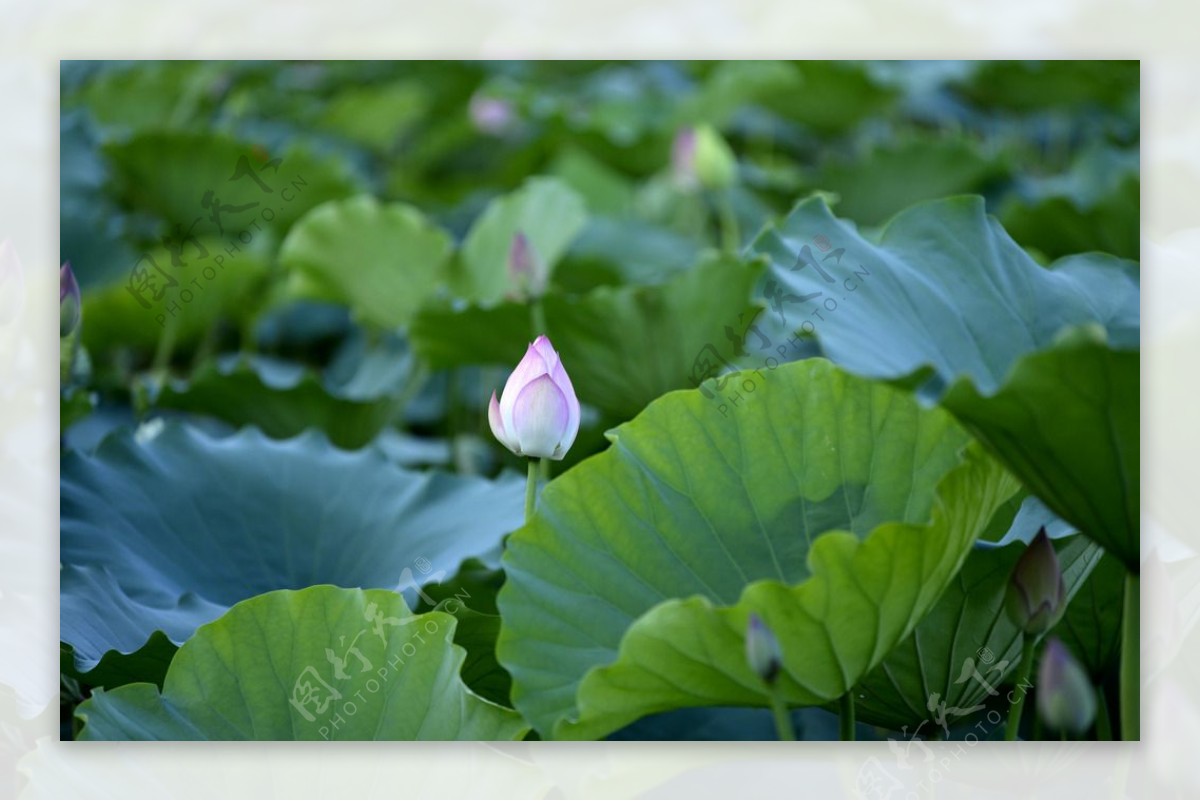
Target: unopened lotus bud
(69, 303)
(1066, 700)
(526, 272)
(1036, 597)
(762, 650)
(699, 156)
(683, 159)
(491, 115)
(537, 414)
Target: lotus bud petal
(1065, 698)
(526, 272)
(700, 156)
(69, 303)
(1036, 597)
(537, 414)
(490, 115)
(762, 650)
(683, 159)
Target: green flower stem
(731, 237)
(783, 717)
(846, 716)
(1103, 722)
(1131, 646)
(166, 344)
(693, 216)
(531, 489)
(537, 317)
(1028, 645)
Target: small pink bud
(700, 157)
(525, 270)
(683, 159)
(491, 115)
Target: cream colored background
(35, 35)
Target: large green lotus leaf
(183, 302)
(322, 663)
(1096, 205)
(475, 584)
(548, 212)
(470, 595)
(148, 664)
(733, 85)
(625, 251)
(622, 346)
(170, 174)
(1091, 628)
(93, 232)
(375, 115)
(153, 95)
(165, 528)
(966, 647)
(835, 96)
(477, 633)
(283, 398)
(873, 186)
(1057, 86)
(603, 189)
(948, 299)
(944, 289)
(1067, 423)
(381, 260)
(836, 508)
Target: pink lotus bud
(69, 304)
(701, 157)
(762, 650)
(683, 159)
(1065, 698)
(490, 115)
(537, 415)
(525, 270)
(1036, 596)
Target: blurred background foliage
(368, 305)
